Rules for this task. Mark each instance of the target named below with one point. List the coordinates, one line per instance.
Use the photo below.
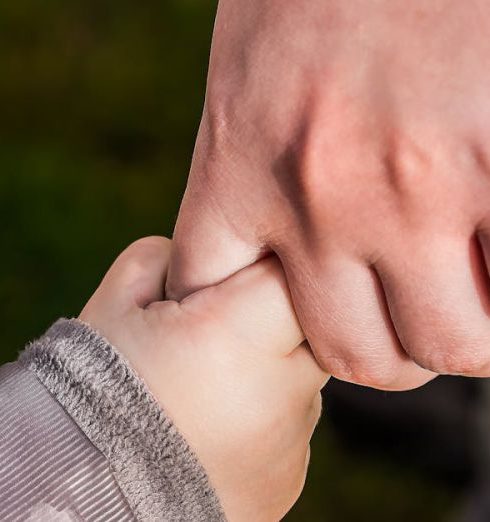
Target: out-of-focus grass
(99, 105)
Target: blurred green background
(100, 102)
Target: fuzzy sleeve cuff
(154, 466)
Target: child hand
(227, 365)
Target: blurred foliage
(100, 102)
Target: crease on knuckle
(451, 357)
(380, 374)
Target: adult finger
(348, 324)
(437, 306)
(208, 247)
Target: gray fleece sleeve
(82, 438)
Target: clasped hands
(350, 140)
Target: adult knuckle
(380, 376)
(333, 364)
(406, 164)
(367, 372)
(450, 356)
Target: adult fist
(350, 138)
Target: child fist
(228, 365)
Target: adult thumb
(208, 246)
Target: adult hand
(350, 138)
(229, 368)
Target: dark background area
(99, 106)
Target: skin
(351, 139)
(228, 365)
